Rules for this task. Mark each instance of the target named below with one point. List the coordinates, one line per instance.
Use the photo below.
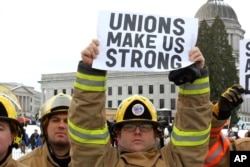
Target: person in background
(55, 149)
(136, 125)
(25, 142)
(35, 140)
(231, 135)
(166, 135)
(169, 129)
(11, 132)
(235, 130)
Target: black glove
(228, 101)
(184, 75)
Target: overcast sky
(46, 36)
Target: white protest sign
(245, 65)
(144, 42)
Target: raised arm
(219, 145)
(89, 136)
(190, 135)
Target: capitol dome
(213, 8)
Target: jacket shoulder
(33, 155)
(242, 144)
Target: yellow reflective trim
(90, 88)
(194, 92)
(91, 77)
(89, 141)
(201, 80)
(86, 136)
(184, 138)
(90, 82)
(199, 86)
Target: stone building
(52, 84)
(29, 99)
(120, 85)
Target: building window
(110, 91)
(173, 104)
(55, 91)
(119, 90)
(161, 88)
(140, 91)
(152, 101)
(173, 87)
(130, 90)
(151, 89)
(109, 104)
(64, 91)
(162, 105)
(119, 102)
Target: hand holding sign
(90, 52)
(192, 72)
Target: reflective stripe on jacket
(217, 151)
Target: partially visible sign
(245, 65)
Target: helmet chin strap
(18, 138)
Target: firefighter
(54, 129)
(220, 145)
(136, 123)
(11, 132)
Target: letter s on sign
(110, 56)
(248, 48)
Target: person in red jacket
(220, 145)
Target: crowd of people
(75, 132)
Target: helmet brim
(10, 119)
